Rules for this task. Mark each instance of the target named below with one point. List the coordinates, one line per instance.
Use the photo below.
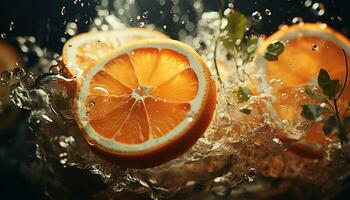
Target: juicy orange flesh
(299, 66)
(141, 95)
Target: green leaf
(312, 112)
(323, 78)
(274, 50)
(235, 29)
(332, 88)
(313, 94)
(242, 94)
(246, 110)
(329, 124)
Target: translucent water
(240, 155)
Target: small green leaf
(332, 88)
(234, 30)
(270, 56)
(323, 78)
(246, 110)
(329, 124)
(274, 50)
(313, 94)
(312, 112)
(242, 94)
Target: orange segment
(164, 117)
(183, 87)
(107, 125)
(148, 106)
(135, 129)
(121, 69)
(104, 84)
(170, 63)
(144, 61)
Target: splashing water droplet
(221, 187)
(131, 1)
(164, 27)
(12, 25)
(3, 35)
(141, 24)
(268, 12)
(55, 69)
(145, 15)
(63, 10)
(318, 8)
(256, 16)
(18, 73)
(5, 77)
(307, 3)
(314, 47)
(297, 20)
(92, 104)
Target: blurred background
(46, 20)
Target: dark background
(43, 19)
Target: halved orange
(84, 50)
(146, 102)
(308, 48)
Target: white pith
(111, 144)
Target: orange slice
(308, 48)
(84, 50)
(8, 112)
(146, 102)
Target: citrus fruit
(8, 112)
(82, 51)
(146, 102)
(307, 48)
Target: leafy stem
(221, 10)
(346, 75)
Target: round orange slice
(146, 102)
(307, 48)
(84, 50)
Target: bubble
(318, 9)
(18, 73)
(92, 104)
(221, 187)
(63, 10)
(267, 12)
(131, 1)
(307, 3)
(256, 16)
(164, 27)
(314, 47)
(141, 24)
(55, 69)
(87, 113)
(3, 35)
(12, 25)
(297, 20)
(145, 14)
(5, 77)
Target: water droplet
(256, 16)
(284, 95)
(55, 69)
(297, 20)
(63, 10)
(3, 35)
(231, 6)
(131, 1)
(87, 113)
(268, 12)
(145, 15)
(5, 76)
(12, 25)
(141, 24)
(314, 47)
(92, 104)
(221, 187)
(318, 9)
(164, 27)
(307, 3)
(69, 45)
(18, 73)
